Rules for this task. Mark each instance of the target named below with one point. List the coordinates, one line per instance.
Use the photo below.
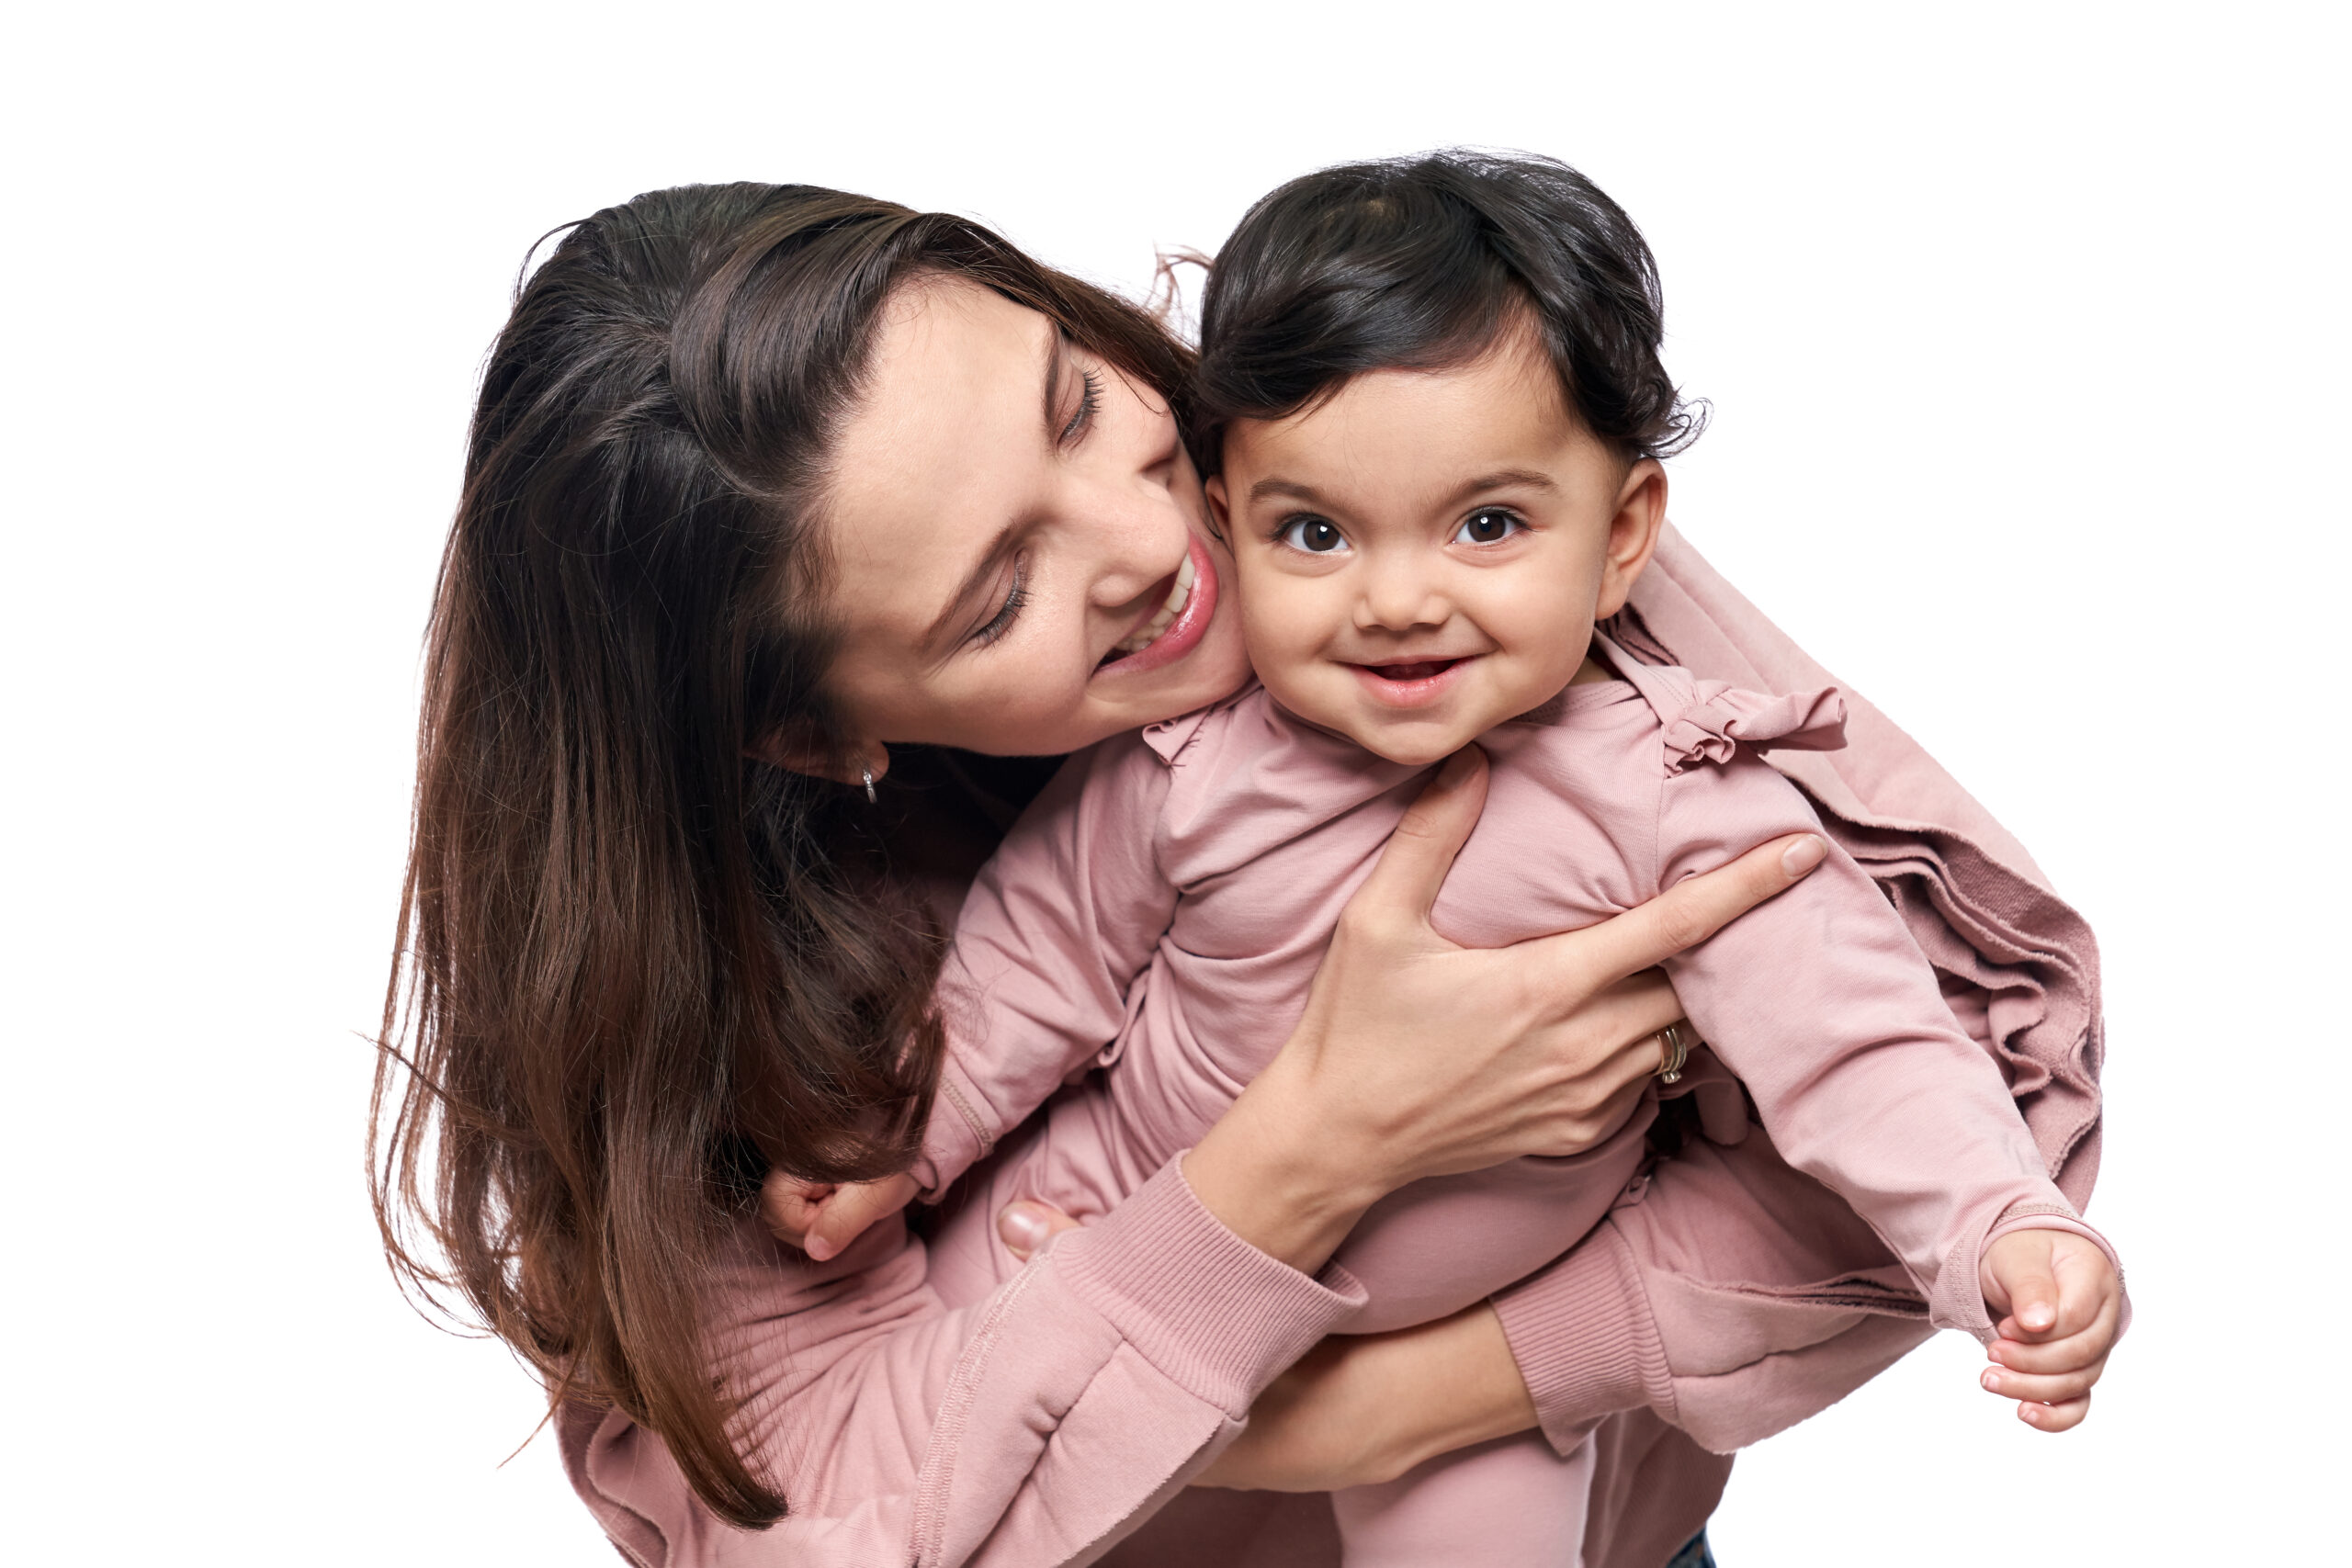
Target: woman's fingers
(1025, 1226)
(1420, 851)
(1681, 918)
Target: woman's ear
(1633, 534)
(863, 762)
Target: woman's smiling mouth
(1176, 628)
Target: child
(1431, 411)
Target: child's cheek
(1279, 625)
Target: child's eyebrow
(1501, 478)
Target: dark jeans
(1694, 1553)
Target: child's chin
(1411, 751)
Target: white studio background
(2024, 326)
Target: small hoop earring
(867, 775)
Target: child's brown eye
(1487, 525)
(1316, 536)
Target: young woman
(781, 506)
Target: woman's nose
(1141, 536)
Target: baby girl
(1431, 410)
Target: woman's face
(1019, 560)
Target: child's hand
(2055, 1303)
(821, 1217)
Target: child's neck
(1592, 670)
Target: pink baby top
(1161, 908)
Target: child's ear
(1220, 522)
(1633, 534)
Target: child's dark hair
(1419, 264)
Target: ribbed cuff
(1197, 1302)
(1585, 1341)
(958, 1136)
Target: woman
(764, 483)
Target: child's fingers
(789, 1206)
(2054, 1389)
(2054, 1353)
(852, 1211)
(2034, 1295)
(2060, 1417)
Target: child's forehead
(1502, 407)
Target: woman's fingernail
(1803, 855)
(1992, 1379)
(1022, 1228)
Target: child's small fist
(2056, 1302)
(844, 1213)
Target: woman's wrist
(1277, 1178)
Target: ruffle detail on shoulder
(1170, 735)
(1724, 719)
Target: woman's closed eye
(1489, 525)
(1314, 536)
(1089, 399)
(1009, 612)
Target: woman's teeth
(1159, 623)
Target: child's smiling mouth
(1410, 682)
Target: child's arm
(1827, 1009)
(1052, 936)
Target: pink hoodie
(1042, 1421)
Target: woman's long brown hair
(635, 968)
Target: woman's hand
(1418, 1057)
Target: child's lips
(1410, 682)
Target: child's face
(1423, 557)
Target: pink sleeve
(1057, 927)
(1825, 1007)
(1028, 1430)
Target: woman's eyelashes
(1489, 525)
(1089, 399)
(1314, 536)
(1007, 612)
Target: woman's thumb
(1420, 851)
(1025, 1226)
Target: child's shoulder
(1700, 720)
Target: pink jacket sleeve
(1057, 925)
(1823, 1006)
(1732, 1296)
(1030, 1429)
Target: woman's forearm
(1359, 1410)
(1278, 1180)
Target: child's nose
(1396, 598)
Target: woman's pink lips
(1183, 633)
(1409, 684)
